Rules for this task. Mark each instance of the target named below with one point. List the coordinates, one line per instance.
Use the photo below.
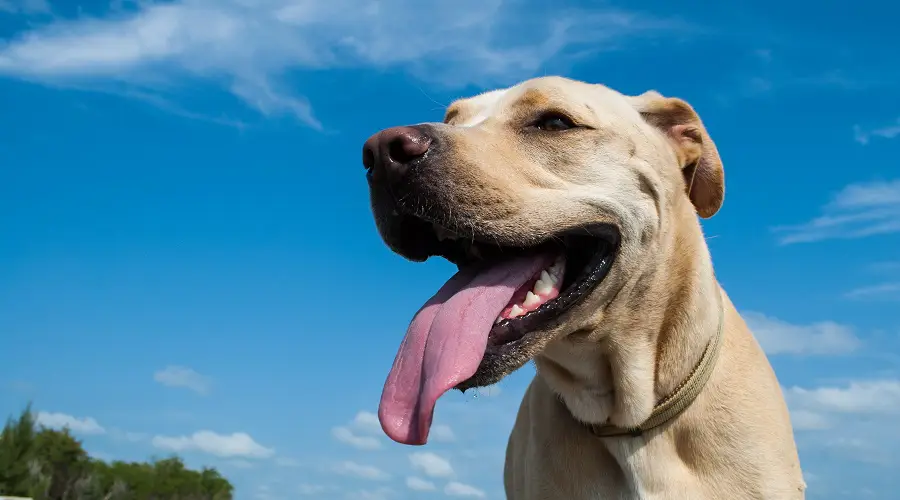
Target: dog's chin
(589, 251)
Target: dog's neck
(647, 341)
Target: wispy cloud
(857, 211)
(171, 107)
(236, 445)
(25, 6)
(248, 47)
(864, 411)
(366, 421)
(86, 425)
(442, 433)
(863, 136)
(805, 420)
(431, 465)
(362, 471)
(882, 291)
(419, 484)
(455, 489)
(786, 68)
(874, 397)
(180, 376)
(363, 432)
(822, 338)
(346, 436)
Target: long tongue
(445, 342)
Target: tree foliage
(49, 464)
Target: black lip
(507, 333)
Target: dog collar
(676, 402)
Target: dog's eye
(554, 122)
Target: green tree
(62, 462)
(48, 464)
(17, 454)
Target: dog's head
(548, 195)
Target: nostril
(368, 158)
(407, 147)
(397, 150)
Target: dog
(571, 211)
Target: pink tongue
(445, 342)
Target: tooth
(546, 278)
(516, 311)
(542, 287)
(531, 300)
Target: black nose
(389, 154)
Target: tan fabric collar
(672, 405)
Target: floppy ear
(700, 163)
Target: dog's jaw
(618, 369)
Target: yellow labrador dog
(571, 212)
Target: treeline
(48, 464)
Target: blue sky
(188, 263)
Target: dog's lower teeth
(543, 287)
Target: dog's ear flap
(702, 168)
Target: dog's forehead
(474, 110)
(537, 92)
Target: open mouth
(478, 326)
(574, 262)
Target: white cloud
(247, 46)
(77, 425)
(857, 211)
(805, 420)
(431, 464)
(863, 136)
(362, 471)
(779, 337)
(455, 489)
(364, 422)
(419, 484)
(442, 433)
(873, 397)
(347, 436)
(853, 421)
(367, 422)
(237, 444)
(180, 376)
